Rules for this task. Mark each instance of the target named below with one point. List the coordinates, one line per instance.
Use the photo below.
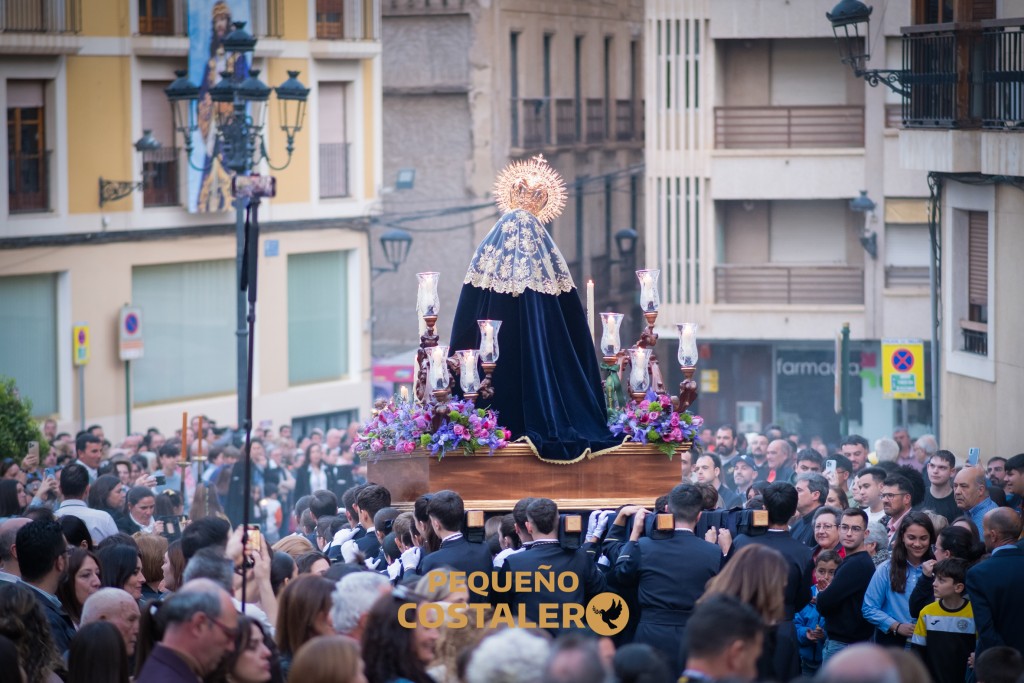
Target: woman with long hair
(98, 655)
(951, 541)
(121, 567)
(254, 659)
(139, 505)
(303, 612)
(173, 567)
(76, 532)
(107, 494)
(23, 622)
(152, 549)
(329, 659)
(13, 499)
(755, 576)
(887, 600)
(80, 580)
(393, 652)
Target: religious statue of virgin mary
(547, 382)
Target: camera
(161, 479)
(570, 531)
(473, 526)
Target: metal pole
(935, 208)
(844, 373)
(128, 397)
(81, 397)
(241, 330)
(249, 296)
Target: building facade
(470, 86)
(81, 80)
(757, 139)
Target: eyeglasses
(824, 527)
(890, 496)
(846, 527)
(231, 633)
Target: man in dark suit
(993, 585)
(370, 500)
(780, 502)
(201, 626)
(669, 573)
(811, 491)
(42, 557)
(447, 514)
(548, 557)
(777, 466)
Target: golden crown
(532, 186)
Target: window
(28, 337)
(513, 58)
(189, 313)
(317, 317)
(333, 145)
(907, 251)
(548, 38)
(160, 166)
(155, 17)
(975, 327)
(27, 169)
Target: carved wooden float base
(632, 473)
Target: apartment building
(757, 139)
(81, 80)
(964, 126)
(471, 85)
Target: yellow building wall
(99, 129)
(106, 17)
(296, 21)
(293, 183)
(370, 103)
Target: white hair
(887, 450)
(105, 603)
(509, 656)
(353, 597)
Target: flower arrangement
(654, 421)
(401, 425)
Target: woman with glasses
(887, 600)
(826, 532)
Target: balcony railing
(531, 123)
(566, 131)
(975, 337)
(1002, 76)
(41, 16)
(596, 129)
(740, 283)
(348, 19)
(627, 121)
(334, 169)
(28, 182)
(416, 7)
(160, 170)
(788, 127)
(938, 92)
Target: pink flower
(666, 402)
(675, 435)
(508, 435)
(459, 430)
(409, 447)
(376, 445)
(674, 420)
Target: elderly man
(117, 607)
(200, 628)
(994, 583)
(777, 466)
(970, 491)
(352, 599)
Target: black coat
(798, 557)
(339, 479)
(993, 586)
(61, 626)
(460, 555)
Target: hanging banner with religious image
(209, 22)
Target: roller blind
(188, 311)
(28, 337)
(317, 317)
(977, 258)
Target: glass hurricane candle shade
(639, 376)
(469, 376)
(437, 368)
(649, 299)
(687, 344)
(610, 341)
(489, 340)
(427, 301)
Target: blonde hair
(327, 659)
(294, 546)
(754, 576)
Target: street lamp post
(240, 108)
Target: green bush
(17, 427)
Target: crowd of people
(896, 561)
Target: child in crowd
(808, 622)
(945, 634)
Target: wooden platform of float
(632, 473)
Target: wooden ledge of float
(632, 473)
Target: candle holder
(489, 352)
(639, 372)
(469, 375)
(688, 364)
(612, 357)
(649, 304)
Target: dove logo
(607, 614)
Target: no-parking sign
(130, 333)
(903, 369)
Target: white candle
(687, 336)
(590, 308)
(405, 393)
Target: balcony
(566, 124)
(41, 16)
(348, 19)
(964, 75)
(531, 122)
(334, 169)
(596, 131)
(629, 120)
(157, 17)
(160, 170)
(170, 18)
(975, 337)
(741, 283)
(789, 127)
(421, 7)
(28, 182)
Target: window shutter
(977, 258)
